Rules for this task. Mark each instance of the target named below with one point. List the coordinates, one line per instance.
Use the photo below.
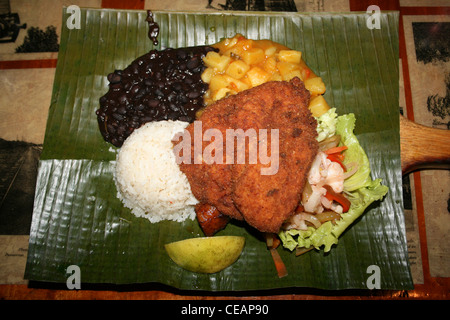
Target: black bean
(182, 110)
(140, 93)
(139, 107)
(173, 115)
(181, 54)
(162, 107)
(153, 103)
(185, 118)
(122, 110)
(111, 129)
(177, 86)
(117, 116)
(193, 63)
(121, 130)
(123, 99)
(114, 78)
(174, 107)
(171, 96)
(193, 94)
(160, 85)
(115, 86)
(112, 102)
(146, 119)
(153, 54)
(127, 85)
(134, 89)
(135, 68)
(197, 70)
(159, 92)
(182, 99)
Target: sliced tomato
(338, 197)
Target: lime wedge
(206, 254)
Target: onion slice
(329, 142)
(327, 216)
(302, 250)
(310, 218)
(353, 168)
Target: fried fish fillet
(240, 190)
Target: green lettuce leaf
(360, 189)
(354, 154)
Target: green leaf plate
(78, 220)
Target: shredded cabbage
(326, 124)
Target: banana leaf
(78, 220)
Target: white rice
(147, 177)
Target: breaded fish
(241, 190)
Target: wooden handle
(423, 147)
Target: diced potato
(292, 74)
(243, 63)
(315, 85)
(207, 75)
(230, 42)
(257, 76)
(237, 69)
(318, 106)
(221, 93)
(235, 84)
(286, 68)
(207, 101)
(217, 61)
(270, 65)
(292, 56)
(275, 77)
(253, 56)
(244, 43)
(270, 51)
(246, 80)
(218, 82)
(234, 53)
